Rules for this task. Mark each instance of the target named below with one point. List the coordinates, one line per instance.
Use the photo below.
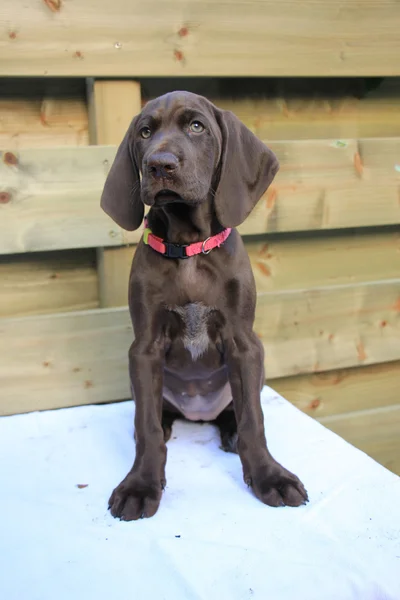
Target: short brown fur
(197, 182)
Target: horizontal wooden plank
(48, 283)
(325, 184)
(328, 328)
(63, 360)
(45, 123)
(376, 432)
(346, 390)
(50, 198)
(301, 262)
(95, 37)
(325, 108)
(42, 113)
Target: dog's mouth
(166, 196)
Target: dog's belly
(196, 405)
(197, 389)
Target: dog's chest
(189, 273)
(194, 281)
(195, 327)
(198, 395)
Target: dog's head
(182, 148)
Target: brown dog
(192, 294)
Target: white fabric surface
(211, 538)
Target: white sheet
(211, 539)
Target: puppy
(192, 294)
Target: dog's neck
(180, 223)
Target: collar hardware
(175, 250)
(170, 250)
(203, 249)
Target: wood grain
(37, 113)
(47, 283)
(134, 38)
(43, 123)
(376, 432)
(54, 200)
(292, 262)
(49, 199)
(308, 111)
(64, 360)
(334, 393)
(320, 329)
(330, 184)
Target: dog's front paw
(135, 498)
(276, 486)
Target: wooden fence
(324, 241)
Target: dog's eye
(197, 127)
(145, 132)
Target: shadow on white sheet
(211, 539)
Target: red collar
(183, 250)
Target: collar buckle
(175, 250)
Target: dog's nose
(162, 164)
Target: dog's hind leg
(226, 423)
(167, 420)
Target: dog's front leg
(139, 494)
(271, 483)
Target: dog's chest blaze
(195, 335)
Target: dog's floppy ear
(121, 193)
(247, 168)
